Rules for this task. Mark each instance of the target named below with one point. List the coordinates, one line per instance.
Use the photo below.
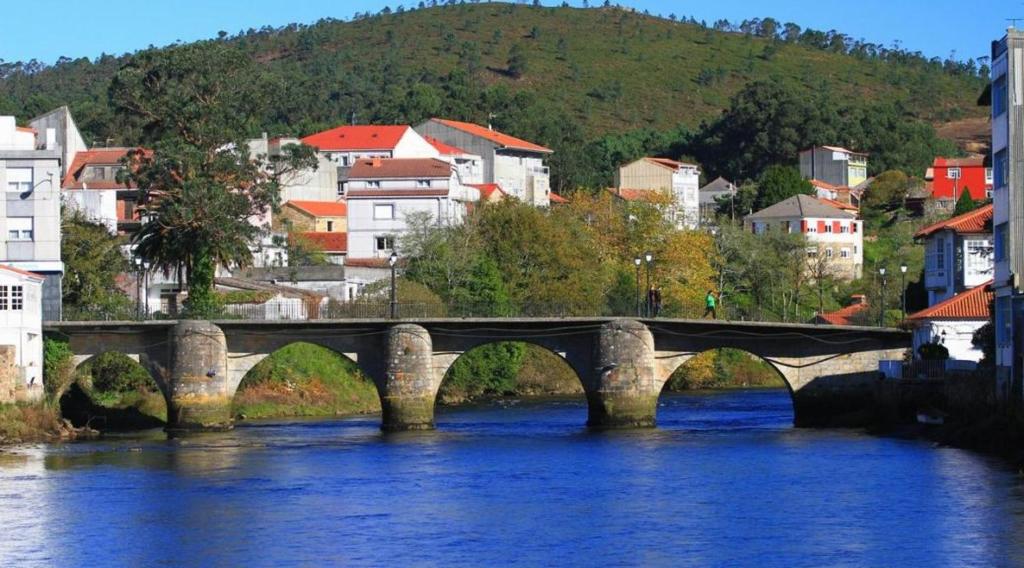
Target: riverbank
(35, 423)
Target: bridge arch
(304, 377)
(114, 390)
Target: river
(725, 480)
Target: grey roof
(800, 206)
(712, 191)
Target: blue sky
(935, 27)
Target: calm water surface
(724, 481)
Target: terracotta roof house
(959, 253)
(953, 321)
(515, 164)
(854, 314)
(676, 181)
(316, 216)
(91, 186)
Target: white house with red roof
(91, 186)
(384, 193)
(959, 254)
(514, 164)
(678, 181)
(345, 144)
(953, 321)
(21, 324)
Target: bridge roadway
(831, 371)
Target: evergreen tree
(778, 183)
(965, 204)
(517, 63)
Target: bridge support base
(409, 389)
(197, 393)
(623, 391)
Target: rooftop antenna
(352, 117)
(1013, 21)
(490, 117)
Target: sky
(934, 27)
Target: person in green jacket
(710, 303)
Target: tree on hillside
(200, 187)
(965, 204)
(517, 63)
(778, 183)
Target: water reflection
(723, 481)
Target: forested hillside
(598, 85)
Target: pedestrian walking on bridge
(710, 303)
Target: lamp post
(138, 287)
(903, 291)
(392, 261)
(637, 262)
(881, 299)
(650, 259)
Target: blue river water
(724, 481)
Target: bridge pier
(409, 387)
(623, 391)
(197, 390)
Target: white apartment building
(384, 192)
(958, 254)
(677, 180)
(833, 235)
(1007, 99)
(516, 165)
(21, 324)
(320, 184)
(30, 173)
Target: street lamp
(637, 262)
(138, 286)
(903, 291)
(881, 300)
(650, 259)
(392, 261)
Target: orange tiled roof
(329, 242)
(972, 304)
(823, 184)
(977, 221)
(321, 208)
(445, 149)
(555, 198)
(400, 168)
(838, 204)
(493, 135)
(672, 164)
(357, 137)
(488, 189)
(843, 316)
(25, 129)
(649, 195)
(96, 157)
(21, 272)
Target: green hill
(581, 74)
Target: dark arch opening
(725, 388)
(112, 391)
(304, 379)
(507, 372)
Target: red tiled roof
(488, 189)
(329, 242)
(823, 184)
(400, 168)
(972, 304)
(555, 198)
(977, 221)
(649, 195)
(26, 129)
(838, 204)
(671, 164)
(445, 149)
(321, 208)
(357, 137)
(499, 138)
(21, 272)
(96, 157)
(843, 316)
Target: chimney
(376, 163)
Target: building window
(988, 175)
(330, 226)
(828, 252)
(1001, 233)
(17, 298)
(828, 228)
(844, 253)
(1000, 169)
(19, 180)
(952, 173)
(844, 228)
(423, 183)
(979, 256)
(19, 228)
(384, 212)
(385, 243)
(999, 95)
(373, 184)
(4, 298)
(940, 253)
(341, 189)
(344, 160)
(812, 252)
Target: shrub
(58, 367)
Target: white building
(470, 167)
(513, 163)
(320, 184)
(832, 232)
(384, 192)
(678, 181)
(958, 254)
(21, 324)
(953, 321)
(30, 174)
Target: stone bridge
(831, 371)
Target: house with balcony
(835, 238)
(31, 166)
(958, 254)
(384, 193)
(515, 164)
(1006, 95)
(834, 165)
(21, 328)
(678, 182)
(949, 177)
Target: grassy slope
(654, 63)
